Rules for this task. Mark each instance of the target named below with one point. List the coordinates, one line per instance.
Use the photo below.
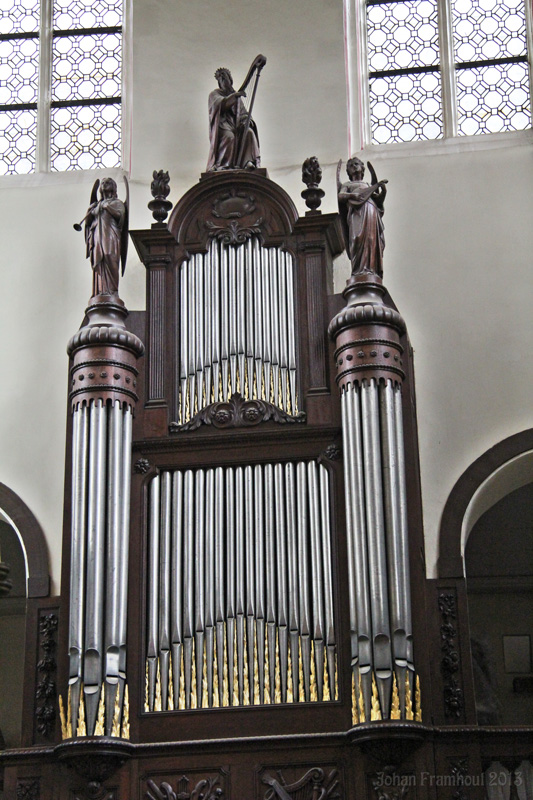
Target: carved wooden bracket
(237, 413)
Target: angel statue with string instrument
(361, 212)
(233, 138)
(106, 235)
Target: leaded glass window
(446, 68)
(60, 85)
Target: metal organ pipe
(102, 411)
(256, 570)
(80, 433)
(369, 373)
(237, 327)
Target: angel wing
(125, 227)
(339, 167)
(89, 218)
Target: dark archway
(33, 541)
(451, 563)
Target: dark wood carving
(141, 466)
(361, 212)
(450, 662)
(389, 784)
(160, 188)
(311, 176)
(204, 789)
(249, 198)
(315, 783)
(106, 236)
(29, 789)
(46, 690)
(233, 232)
(237, 413)
(94, 791)
(458, 772)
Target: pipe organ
(241, 553)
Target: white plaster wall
(458, 228)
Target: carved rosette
(237, 413)
(367, 336)
(104, 356)
(450, 662)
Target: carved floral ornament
(237, 413)
(450, 662)
(204, 789)
(234, 233)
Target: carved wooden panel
(303, 782)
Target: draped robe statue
(361, 211)
(233, 137)
(106, 234)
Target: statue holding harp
(233, 138)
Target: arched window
(60, 85)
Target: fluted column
(369, 361)
(103, 382)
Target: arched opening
(486, 536)
(12, 632)
(23, 574)
(499, 581)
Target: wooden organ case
(244, 604)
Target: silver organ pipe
(237, 327)
(80, 433)
(378, 563)
(257, 585)
(164, 586)
(101, 464)
(96, 521)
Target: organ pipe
(368, 357)
(102, 412)
(257, 568)
(237, 327)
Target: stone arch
(497, 472)
(32, 540)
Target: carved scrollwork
(233, 204)
(237, 413)
(205, 789)
(450, 661)
(233, 233)
(46, 689)
(316, 783)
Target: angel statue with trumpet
(361, 212)
(233, 138)
(106, 236)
